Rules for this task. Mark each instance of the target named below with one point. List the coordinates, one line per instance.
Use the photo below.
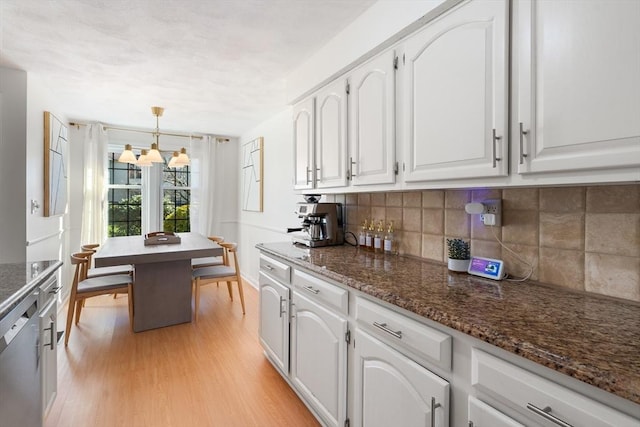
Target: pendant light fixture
(178, 160)
(127, 155)
(154, 155)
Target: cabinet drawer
(433, 345)
(331, 295)
(483, 415)
(276, 269)
(538, 397)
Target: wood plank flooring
(212, 373)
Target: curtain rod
(152, 132)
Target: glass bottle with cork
(362, 236)
(369, 237)
(389, 241)
(378, 238)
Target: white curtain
(205, 206)
(94, 209)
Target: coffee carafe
(317, 226)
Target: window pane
(125, 212)
(176, 210)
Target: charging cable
(518, 257)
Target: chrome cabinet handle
(51, 335)
(522, 134)
(351, 163)
(268, 267)
(310, 289)
(384, 327)
(496, 138)
(308, 172)
(282, 306)
(546, 414)
(434, 405)
(55, 290)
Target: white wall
(383, 22)
(279, 199)
(13, 133)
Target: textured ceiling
(217, 66)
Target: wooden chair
(103, 271)
(84, 287)
(211, 261)
(219, 273)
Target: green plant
(458, 249)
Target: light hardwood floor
(212, 373)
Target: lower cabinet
(319, 358)
(274, 320)
(391, 389)
(483, 415)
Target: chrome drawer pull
(522, 134)
(383, 326)
(51, 335)
(310, 289)
(281, 306)
(434, 405)
(268, 267)
(546, 414)
(55, 290)
(496, 138)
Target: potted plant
(459, 255)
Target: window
(124, 196)
(176, 198)
(131, 198)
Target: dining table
(162, 291)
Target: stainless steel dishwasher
(20, 382)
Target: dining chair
(211, 261)
(103, 271)
(84, 287)
(219, 273)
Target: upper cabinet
(303, 129)
(577, 83)
(331, 135)
(455, 95)
(372, 121)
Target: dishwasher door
(20, 390)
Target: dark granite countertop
(17, 280)
(592, 338)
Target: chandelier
(148, 158)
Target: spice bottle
(378, 238)
(369, 237)
(389, 243)
(362, 236)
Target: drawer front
(319, 290)
(539, 398)
(276, 269)
(483, 415)
(432, 344)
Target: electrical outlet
(494, 208)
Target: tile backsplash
(585, 238)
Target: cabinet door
(49, 340)
(455, 97)
(274, 321)
(577, 84)
(331, 135)
(303, 133)
(391, 389)
(319, 358)
(372, 124)
(483, 415)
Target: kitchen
(422, 212)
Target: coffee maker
(322, 224)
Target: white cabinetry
(455, 95)
(274, 311)
(391, 389)
(537, 398)
(319, 358)
(320, 138)
(331, 135)
(303, 133)
(483, 415)
(577, 83)
(372, 121)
